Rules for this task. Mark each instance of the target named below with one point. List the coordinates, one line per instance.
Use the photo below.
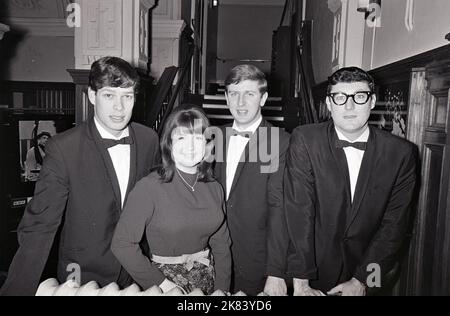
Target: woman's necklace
(192, 187)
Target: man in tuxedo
(87, 174)
(250, 170)
(348, 193)
(35, 156)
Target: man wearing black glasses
(348, 191)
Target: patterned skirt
(199, 277)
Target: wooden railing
(291, 72)
(179, 91)
(167, 94)
(305, 75)
(48, 97)
(162, 93)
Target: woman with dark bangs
(180, 208)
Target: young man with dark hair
(87, 174)
(35, 156)
(254, 186)
(348, 192)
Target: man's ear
(91, 95)
(264, 99)
(373, 101)
(328, 102)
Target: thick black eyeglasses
(360, 98)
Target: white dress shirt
(354, 158)
(236, 148)
(120, 156)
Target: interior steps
(215, 106)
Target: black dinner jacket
(78, 187)
(255, 207)
(335, 239)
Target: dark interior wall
(24, 57)
(211, 49)
(245, 32)
(186, 10)
(35, 58)
(322, 38)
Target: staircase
(215, 106)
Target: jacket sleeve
(39, 225)
(151, 145)
(156, 161)
(389, 238)
(128, 235)
(220, 243)
(300, 200)
(277, 235)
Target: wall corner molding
(51, 27)
(168, 28)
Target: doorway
(239, 32)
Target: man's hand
(275, 287)
(167, 286)
(350, 288)
(302, 288)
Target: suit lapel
(251, 150)
(109, 167)
(364, 176)
(341, 162)
(133, 163)
(221, 157)
(239, 168)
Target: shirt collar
(107, 135)
(252, 129)
(363, 138)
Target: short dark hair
(113, 72)
(246, 72)
(39, 136)
(183, 116)
(349, 75)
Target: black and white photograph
(34, 136)
(239, 149)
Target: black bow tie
(357, 145)
(112, 142)
(242, 134)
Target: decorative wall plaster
(166, 45)
(168, 28)
(103, 33)
(165, 54)
(120, 28)
(168, 10)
